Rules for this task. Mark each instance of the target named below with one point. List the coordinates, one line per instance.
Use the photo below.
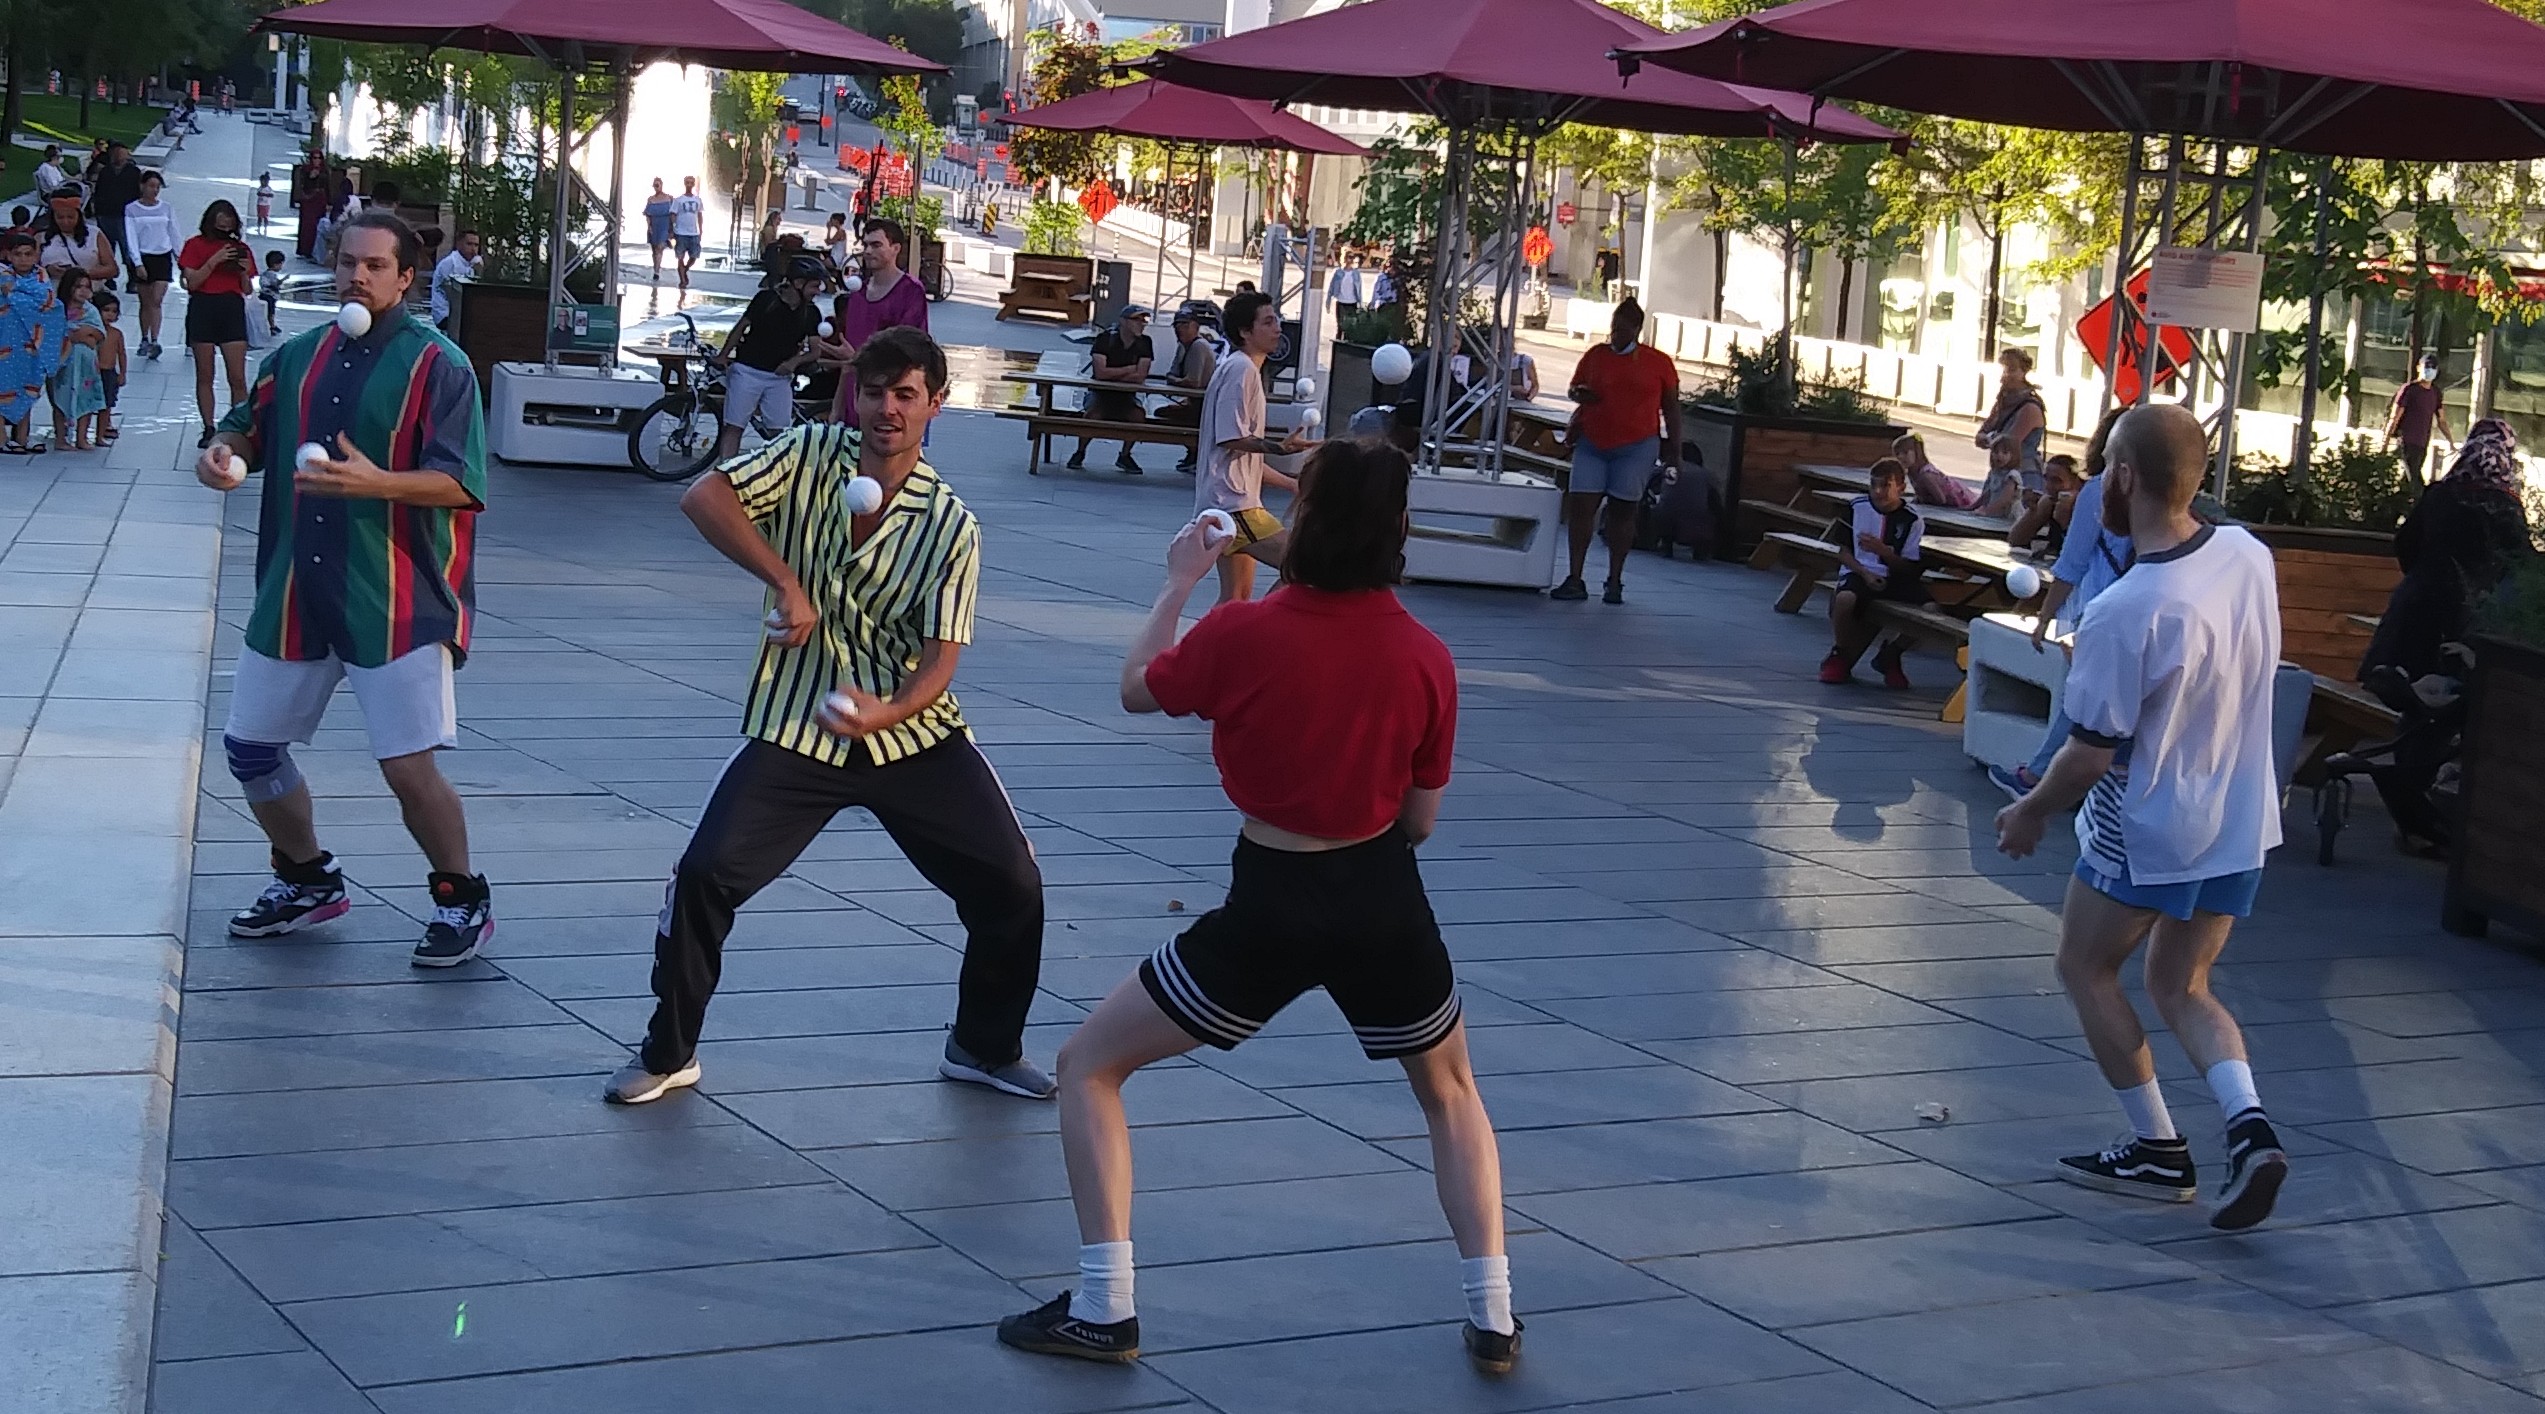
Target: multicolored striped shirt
(366, 581)
(915, 579)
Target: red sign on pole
(2094, 332)
(1566, 212)
(1098, 200)
(1537, 247)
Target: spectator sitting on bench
(1122, 354)
(2046, 520)
(2002, 494)
(1878, 562)
(1929, 483)
(1196, 358)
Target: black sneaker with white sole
(300, 896)
(1049, 1329)
(2160, 1169)
(2256, 1167)
(1491, 1351)
(463, 919)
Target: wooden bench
(1041, 427)
(1801, 518)
(1062, 285)
(1812, 562)
(1941, 629)
(2340, 716)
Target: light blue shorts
(2228, 894)
(1620, 473)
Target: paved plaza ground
(1723, 933)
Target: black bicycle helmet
(805, 267)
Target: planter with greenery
(2332, 539)
(2492, 873)
(1755, 426)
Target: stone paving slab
(1721, 932)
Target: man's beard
(2115, 511)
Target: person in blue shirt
(2090, 559)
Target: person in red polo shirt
(1627, 393)
(1332, 716)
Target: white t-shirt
(688, 214)
(49, 178)
(150, 229)
(1232, 407)
(2174, 667)
(1903, 530)
(453, 266)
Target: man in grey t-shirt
(1234, 446)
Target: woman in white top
(835, 246)
(70, 240)
(150, 246)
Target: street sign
(2094, 335)
(2196, 288)
(1098, 201)
(1537, 247)
(1566, 212)
(583, 328)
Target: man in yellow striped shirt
(849, 707)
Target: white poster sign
(2191, 288)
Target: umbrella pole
(1166, 199)
(622, 84)
(2164, 232)
(569, 66)
(2232, 376)
(1785, 339)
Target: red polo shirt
(1324, 708)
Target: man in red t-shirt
(1627, 394)
(1332, 718)
(2418, 412)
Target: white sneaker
(635, 1085)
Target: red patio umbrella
(1487, 61)
(721, 34)
(1154, 108)
(2423, 80)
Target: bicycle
(675, 438)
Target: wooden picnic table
(1969, 523)
(1046, 384)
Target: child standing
(78, 394)
(30, 342)
(1879, 561)
(269, 286)
(112, 368)
(264, 200)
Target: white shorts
(407, 703)
(748, 390)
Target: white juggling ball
(774, 625)
(312, 453)
(2023, 581)
(853, 283)
(226, 465)
(825, 330)
(353, 319)
(865, 495)
(1391, 363)
(1304, 388)
(1309, 418)
(1218, 526)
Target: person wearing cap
(1195, 359)
(768, 344)
(1122, 354)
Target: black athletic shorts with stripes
(1353, 921)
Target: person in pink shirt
(888, 297)
(1928, 483)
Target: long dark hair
(237, 227)
(1350, 530)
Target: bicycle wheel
(675, 438)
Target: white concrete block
(1471, 530)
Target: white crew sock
(2145, 1105)
(1487, 1282)
(1104, 1283)
(2232, 1082)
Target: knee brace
(264, 769)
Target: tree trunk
(1846, 292)
(2418, 336)
(1722, 258)
(88, 90)
(12, 107)
(1991, 309)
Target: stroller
(2414, 771)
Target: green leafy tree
(744, 109)
(1061, 63)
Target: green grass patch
(51, 118)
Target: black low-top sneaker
(463, 919)
(301, 895)
(1049, 1329)
(2256, 1167)
(2142, 1168)
(1492, 1351)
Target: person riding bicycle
(768, 344)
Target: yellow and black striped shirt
(914, 579)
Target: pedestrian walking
(2418, 412)
(111, 189)
(312, 191)
(218, 268)
(31, 326)
(2178, 801)
(78, 394)
(72, 241)
(689, 222)
(364, 576)
(1627, 423)
(886, 298)
(458, 267)
(264, 201)
(1333, 715)
(849, 706)
(658, 225)
(150, 250)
